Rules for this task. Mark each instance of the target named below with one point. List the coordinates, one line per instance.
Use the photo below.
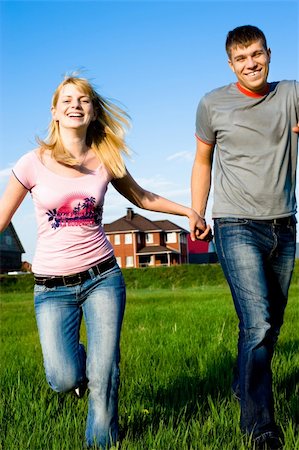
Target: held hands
(296, 128)
(199, 230)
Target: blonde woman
(76, 273)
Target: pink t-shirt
(69, 217)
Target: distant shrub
(183, 276)
(16, 283)
(173, 277)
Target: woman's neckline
(83, 175)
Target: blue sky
(155, 58)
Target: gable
(9, 240)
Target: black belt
(290, 220)
(76, 278)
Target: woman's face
(74, 108)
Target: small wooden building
(11, 250)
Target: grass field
(178, 351)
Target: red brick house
(140, 242)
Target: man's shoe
(268, 441)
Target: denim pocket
(41, 289)
(42, 294)
(290, 229)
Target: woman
(75, 271)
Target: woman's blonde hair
(105, 135)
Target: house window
(108, 238)
(171, 238)
(129, 261)
(128, 238)
(149, 238)
(138, 239)
(116, 239)
(118, 260)
(8, 240)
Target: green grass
(178, 351)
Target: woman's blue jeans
(258, 260)
(59, 310)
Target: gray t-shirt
(256, 150)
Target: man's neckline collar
(253, 94)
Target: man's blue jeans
(257, 259)
(59, 311)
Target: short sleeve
(297, 96)
(203, 127)
(25, 170)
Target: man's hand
(296, 128)
(199, 230)
(204, 234)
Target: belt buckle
(71, 280)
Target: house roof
(135, 222)
(155, 249)
(167, 225)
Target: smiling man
(250, 64)
(250, 130)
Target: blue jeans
(257, 259)
(59, 310)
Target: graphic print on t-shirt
(76, 210)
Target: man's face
(251, 66)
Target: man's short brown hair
(244, 36)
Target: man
(249, 129)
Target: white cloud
(154, 183)
(181, 156)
